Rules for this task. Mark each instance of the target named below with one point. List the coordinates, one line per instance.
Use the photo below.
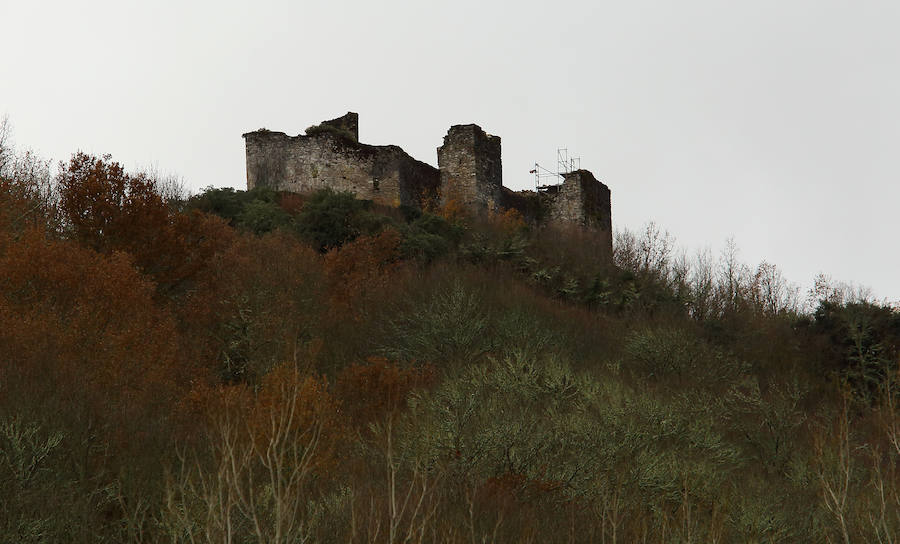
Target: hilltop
(275, 366)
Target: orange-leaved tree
(106, 209)
(358, 269)
(259, 304)
(85, 345)
(269, 457)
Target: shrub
(260, 217)
(429, 237)
(450, 327)
(330, 218)
(258, 210)
(344, 134)
(677, 358)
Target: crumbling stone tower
(471, 171)
(470, 174)
(580, 200)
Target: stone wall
(580, 200)
(470, 173)
(471, 169)
(384, 174)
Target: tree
(771, 292)
(359, 269)
(108, 210)
(259, 304)
(865, 340)
(266, 453)
(26, 193)
(375, 398)
(5, 144)
(330, 219)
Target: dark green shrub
(429, 237)
(330, 218)
(410, 213)
(677, 358)
(260, 217)
(437, 225)
(256, 210)
(341, 133)
(224, 202)
(422, 246)
(864, 340)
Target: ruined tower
(469, 174)
(471, 171)
(580, 200)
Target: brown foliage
(453, 210)
(508, 221)
(370, 392)
(21, 205)
(359, 268)
(292, 203)
(82, 326)
(288, 406)
(257, 305)
(291, 404)
(267, 454)
(108, 210)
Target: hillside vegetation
(265, 367)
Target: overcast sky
(773, 122)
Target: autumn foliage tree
(321, 369)
(379, 388)
(258, 305)
(401, 489)
(268, 457)
(89, 360)
(106, 209)
(76, 316)
(359, 269)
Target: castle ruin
(469, 172)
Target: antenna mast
(545, 179)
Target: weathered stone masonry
(469, 172)
(580, 199)
(384, 174)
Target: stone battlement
(331, 158)
(470, 172)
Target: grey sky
(776, 122)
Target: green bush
(256, 210)
(429, 237)
(260, 217)
(451, 327)
(513, 416)
(864, 340)
(341, 133)
(571, 438)
(330, 219)
(678, 359)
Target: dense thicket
(264, 367)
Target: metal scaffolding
(545, 179)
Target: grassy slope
(318, 367)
